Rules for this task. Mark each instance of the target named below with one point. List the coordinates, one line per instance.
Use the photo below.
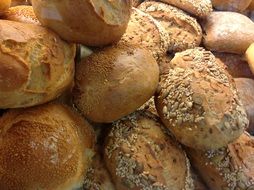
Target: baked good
(197, 181)
(227, 168)
(184, 30)
(4, 6)
(198, 102)
(231, 5)
(245, 88)
(90, 22)
(228, 32)
(136, 3)
(251, 6)
(44, 147)
(250, 57)
(235, 64)
(20, 2)
(140, 154)
(22, 13)
(114, 82)
(199, 8)
(43, 64)
(147, 33)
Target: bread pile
(126, 95)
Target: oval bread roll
(89, 22)
(44, 147)
(140, 154)
(227, 168)
(114, 82)
(231, 5)
(4, 6)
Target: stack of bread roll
(126, 95)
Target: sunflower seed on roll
(140, 154)
(183, 29)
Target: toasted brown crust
(227, 168)
(141, 155)
(114, 82)
(22, 13)
(184, 30)
(46, 147)
(4, 6)
(43, 64)
(231, 5)
(92, 22)
(228, 32)
(199, 8)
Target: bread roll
(228, 32)
(4, 6)
(43, 65)
(227, 168)
(197, 101)
(183, 29)
(90, 22)
(231, 5)
(44, 147)
(114, 82)
(199, 8)
(245, 88)
(140, 154)
(22, 13)
(250, 57)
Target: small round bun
(228, 32)
(140, 154)
(22, 13)
(44, 147)
(4, 6)
(90, 22)
(114, 82)
(197, 100)
(227, 168)
(231, 5)
(43, 65)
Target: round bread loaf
(90, 22)
(227, 168)
(199, 8)
(250, 57)
(44, 147)
(22, 13)
(183, 30)
(43, 64)
(114, 82)
(197, 101)
(4, 6)
(231, 5)
(228, 32)
(245, 88)
(140, 155)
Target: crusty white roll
(184, 30)
(231, 5)
(197, 100)
(89, 22)
(230, 168)
(44, 147)
(228, 32)
(43, 64)
(140, 155)
(4, 6)
(114, 82)
(22, 13)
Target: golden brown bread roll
(249, 54)
(183, 29)
(22, 13)
(231, 5)
(43, 64)
(245, 88)
(90, 22)
(197, 101)
(229, 168)
(199, 8)
(4, 6)
(114, 82)
(140, 155)
(228, 32)
(45, 147)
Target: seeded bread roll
(227, 168)
(43, 65)
(114, 82)
(22, 13)
(249, 54)
(231, 5)
(44, 147)
(141, 155)
(148, 33)
(4, 6)
(245, 88)
(228, 32)
(90, 22)
(183, 29)
(199, 8)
